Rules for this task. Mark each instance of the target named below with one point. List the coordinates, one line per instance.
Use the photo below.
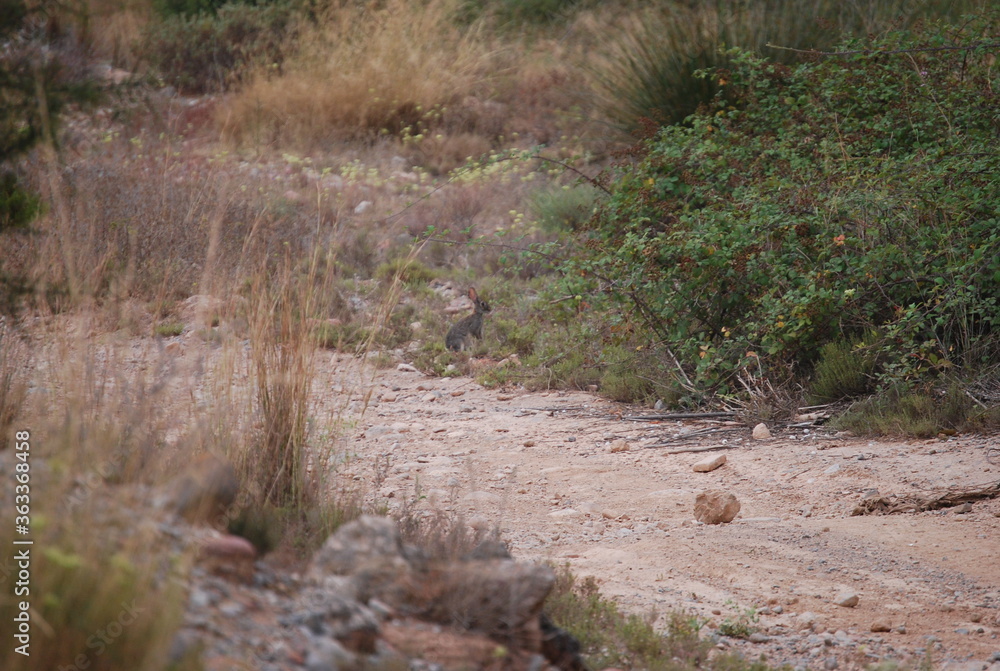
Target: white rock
(761, 432)
(709, 463)
(363, 206)
(847, 599)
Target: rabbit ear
(472, 293)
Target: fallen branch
(677, 415)
(706, 448)
(883, 505)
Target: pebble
(761, 432)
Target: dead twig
(704, 448)
(676, 415)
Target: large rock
(715, 507)
(327, 614)
(370, 550)
(500, 597)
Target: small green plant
(409, 270)
(341, 336)
(13, 385)
(564, 208)
(514, 338)
(111, 607)
(741, 624)
(610, 637)
(18, 205)
(169, 329)
(845, 369)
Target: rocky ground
(568, 480)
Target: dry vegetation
(310, 206)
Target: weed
(741, 624)
(845, 369)
(169, 329)
(611, 638)
(409, 270)
(564, 208)
(281, 353)
(105, 602)
(18, 205)
(921, 412)
(342, 337)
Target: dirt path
(540, 466)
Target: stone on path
(709, 463)
(714, 506)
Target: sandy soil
(540, 467)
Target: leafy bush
(648, 69)
(207, 52)
(814, 203)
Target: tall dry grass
(367, 69)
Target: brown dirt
(540, 467)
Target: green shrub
(169, 330)
(341, 336)
(649, 69)
(205, 53)
(845, 369)
(18, 206)
(102, 606)
(564, 208)
(922, 413)
(513, 337)
(409, 270)
(631, 376)
(844, 195)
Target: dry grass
(367, 69)
(112, 28)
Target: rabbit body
(460, 335)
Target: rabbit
(460, 335)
